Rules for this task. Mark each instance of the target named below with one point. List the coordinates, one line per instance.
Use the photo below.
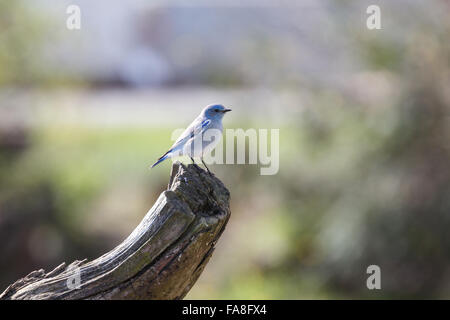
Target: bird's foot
(207, 169)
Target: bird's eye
(216, 110)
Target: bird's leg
(193, 162)
(201, 158)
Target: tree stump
(161, 259)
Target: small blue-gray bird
(192, 142)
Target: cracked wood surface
(161, 259)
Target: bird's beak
(226, 110)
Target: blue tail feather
(164, 157)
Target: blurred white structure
(147, 43)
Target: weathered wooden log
(161, 259)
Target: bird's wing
(198, 126)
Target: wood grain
(161, 259)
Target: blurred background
(364, 137)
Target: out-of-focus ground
(364, 119)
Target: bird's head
(215, 111)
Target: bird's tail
(161, 159)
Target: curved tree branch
(161, 259)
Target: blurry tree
(406, 231)
(391, 206)
(22, 32)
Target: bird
(210, 118)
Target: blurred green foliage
(21, 36)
